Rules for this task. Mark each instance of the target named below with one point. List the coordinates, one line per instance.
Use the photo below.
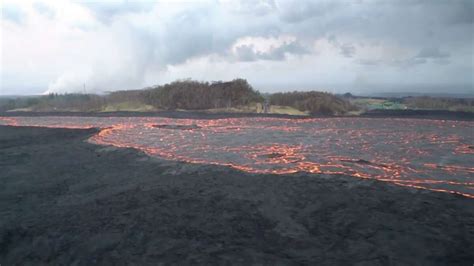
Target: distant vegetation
(183, 94)
(313, 102)
(195, 95)
(414, 103)
(55, 102)
(231, 96)
(367, 104)
(452, 104)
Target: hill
(221, 96)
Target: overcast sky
(351, 45)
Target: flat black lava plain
(64, 201)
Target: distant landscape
(227, 96)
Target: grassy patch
(288, 110)
(128, 106)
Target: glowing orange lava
(435, 155)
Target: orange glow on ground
(435, 155)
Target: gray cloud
(432, 52)
(347, 50)
(407, 62)
(399, 63)
(442, 61)
(294, 48)
(203, 29)
(369, 62)
(425, 56)
(247, 53)
(295, 12)
(462, 12)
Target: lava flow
(436, 155)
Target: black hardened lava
(66, 201)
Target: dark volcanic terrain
(416, 114)
(66, 201)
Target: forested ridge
(187, 94)
(195, 95)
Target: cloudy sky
(337, 46)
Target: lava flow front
(436, 155)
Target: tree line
(187, 95)
(195, 95)
(439, 103)
(314, 102)
(55, 102)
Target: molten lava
(436, 155)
